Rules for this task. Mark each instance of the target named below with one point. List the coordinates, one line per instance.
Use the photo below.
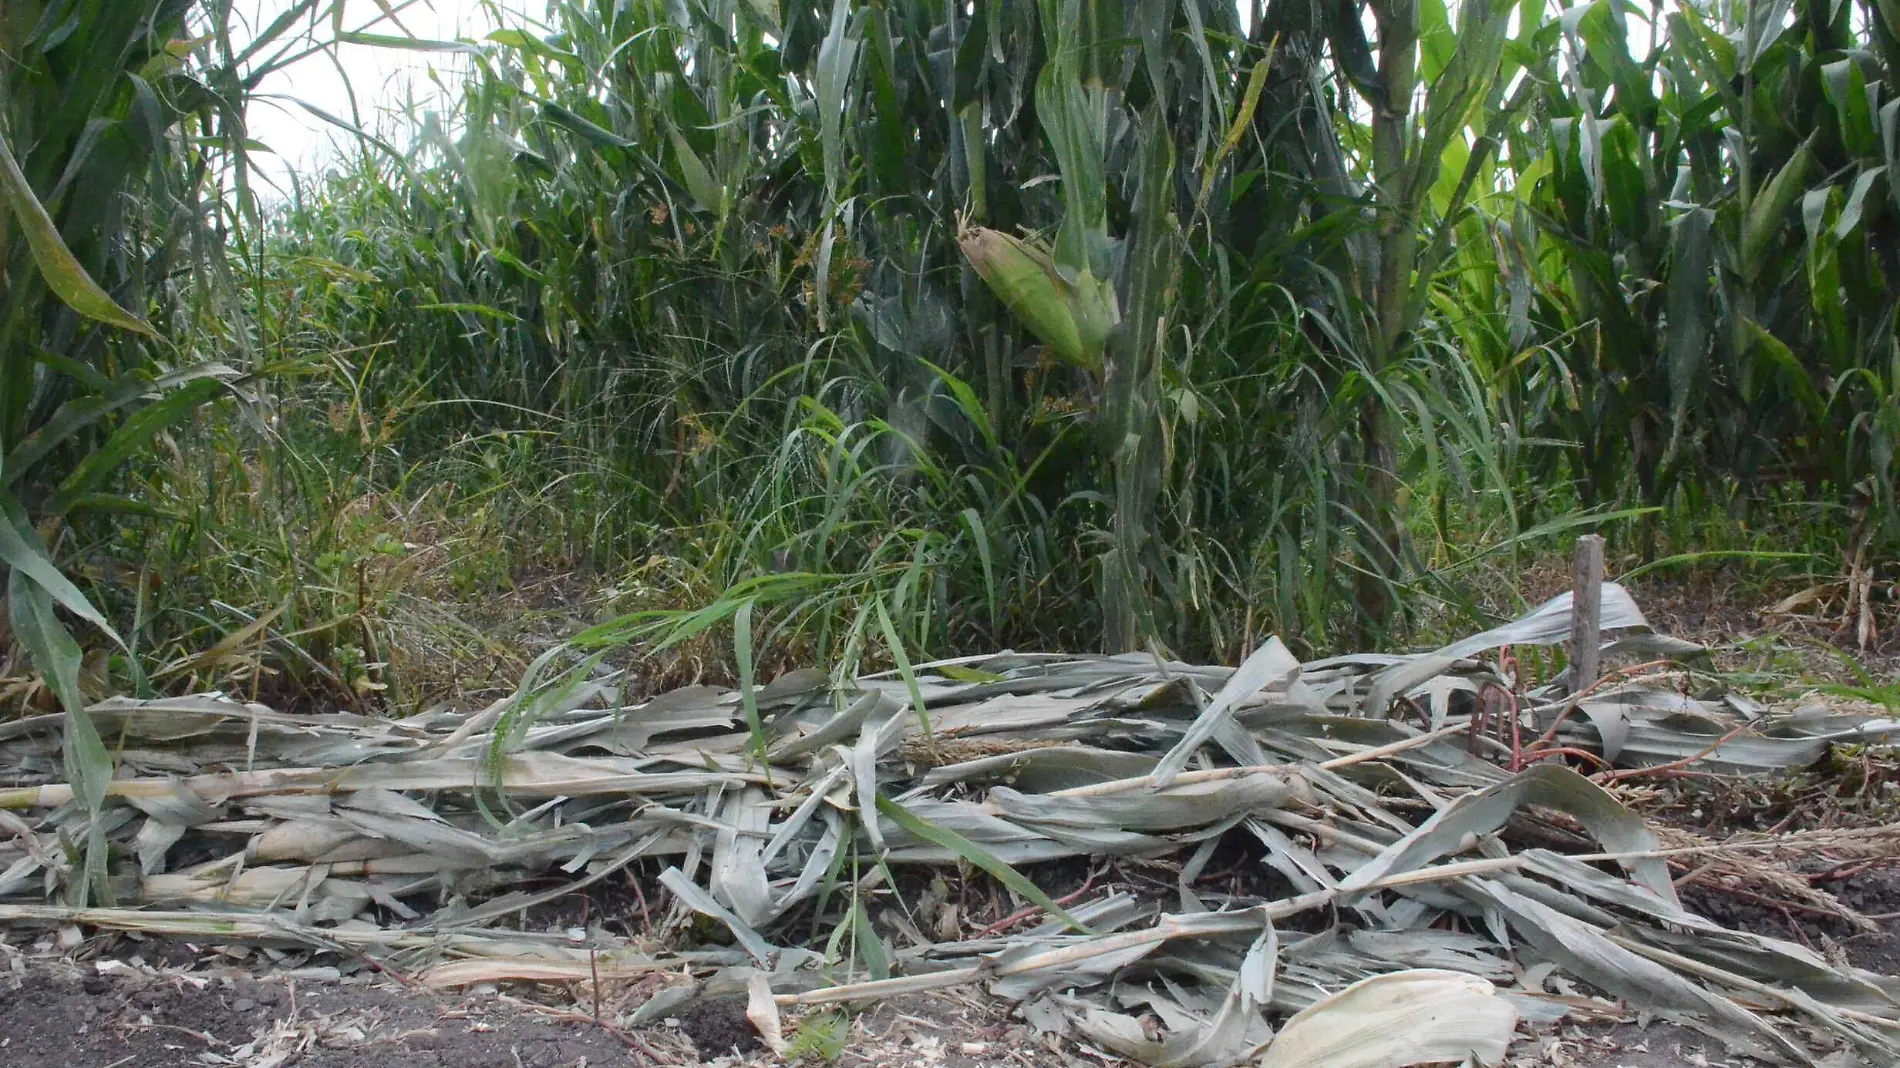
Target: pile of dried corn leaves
(411, 841)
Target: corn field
(998, 366)
(948, 327)
(1096, 324)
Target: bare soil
(62, 1014)
(1739, 622)
(1626, 1045)
(1872, 893)
(62, 1018)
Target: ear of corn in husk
(1073, 318)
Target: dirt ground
(109, 1014)
(57, 1012)
(62, 1017)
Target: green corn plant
(50, 347)
(1428, 85)
(1118, 325)
(114, 125)
(1064, 256)
(1704, 241)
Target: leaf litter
(1451, 852)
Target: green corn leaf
(1466, 79)
(591, 131)
(412, 44)
(1689, 326)
(1435, 37)
(1846, 89)
(1352, 50)
(21, 551)
(699, 181)
(837, 56)
(957, 673)
(53, 651)
(972, 56)
(1767, 21)
(1625, 193)
(890, 130)
(113, 395)
(130, 436)
(522, 41)
(1852, 211)
(502, 255)
(1766, 216)
(57, 656)
(766, 11)
(1074, 116)
(1890, 13)
(1890, 138)
(1782, 359)
(63, 272)
(71, 418)
(967, 402)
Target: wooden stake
(1586, 611)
